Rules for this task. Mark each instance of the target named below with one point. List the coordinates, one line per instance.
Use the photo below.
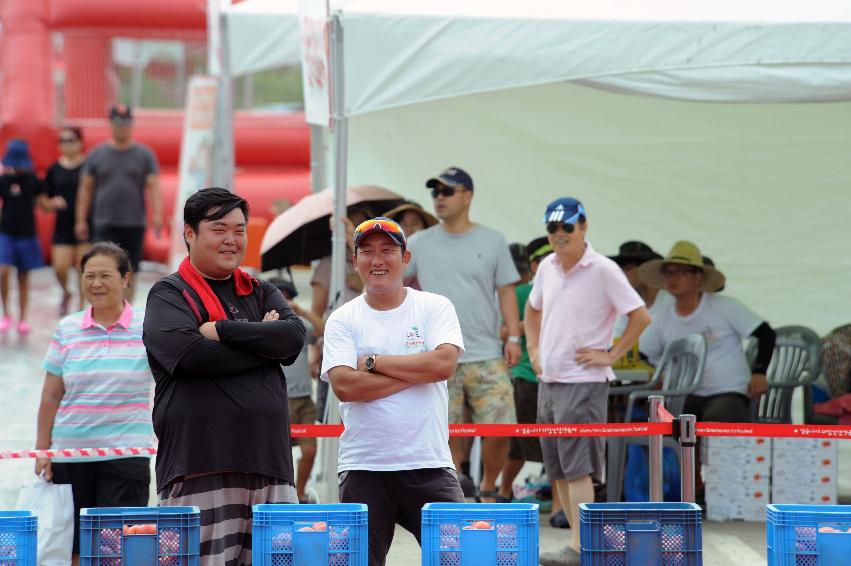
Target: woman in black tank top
(61, 183)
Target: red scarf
(243, 282)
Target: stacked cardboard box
(804, 471)
(737, 476)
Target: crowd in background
(504, 375)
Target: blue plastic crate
(448, 538)
(646, 534)
(176, 542)
(794, 538)
(278, 538)
(18, 534)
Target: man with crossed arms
(387, 355)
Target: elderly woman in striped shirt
(97, 391)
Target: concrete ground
(21, 378)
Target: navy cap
(566, 210)
(451, 177)
(120, 112)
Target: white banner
(315, 30)
(196, 152)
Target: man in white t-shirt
(569, 319)
(728, 380)
(388, 354)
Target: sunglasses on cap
(445, 191)
(552, 227)
(389, 227)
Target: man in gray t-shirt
(471, 265)
(114, 180)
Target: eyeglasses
(552, 227)
(65, 140)
(679, 272)
(445, 191)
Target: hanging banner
(196, 154)
(315, 29)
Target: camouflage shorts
(485, 387)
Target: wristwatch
(370, 362)
(514, 339)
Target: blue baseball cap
(17, 155)
(566, 210)
(451, 177)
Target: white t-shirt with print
(408, 430)
(723, 321)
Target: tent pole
(328, 489)
(218, 65)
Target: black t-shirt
(221, 406)
(63, 182)
(18, 193)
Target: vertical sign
(196, 153)
(314, 29)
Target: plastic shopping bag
(54, 506)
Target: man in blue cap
(569, 319)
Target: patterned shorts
(485, 387)
(225, 500)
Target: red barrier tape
(527, 430)
(774, 430)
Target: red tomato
(148, 529)
(320, 526)
(481, 525)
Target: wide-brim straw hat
(683, 253)
(396, 213)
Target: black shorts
(130, 238)
(526, 404)
(720, 408)
(111, 483)
(397, 497)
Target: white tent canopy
(761, 186)
(262, 35)
(740, 142)
(399, 53)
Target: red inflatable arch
(272, 150)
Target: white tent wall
(762, 188)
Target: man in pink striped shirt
(569, 319)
